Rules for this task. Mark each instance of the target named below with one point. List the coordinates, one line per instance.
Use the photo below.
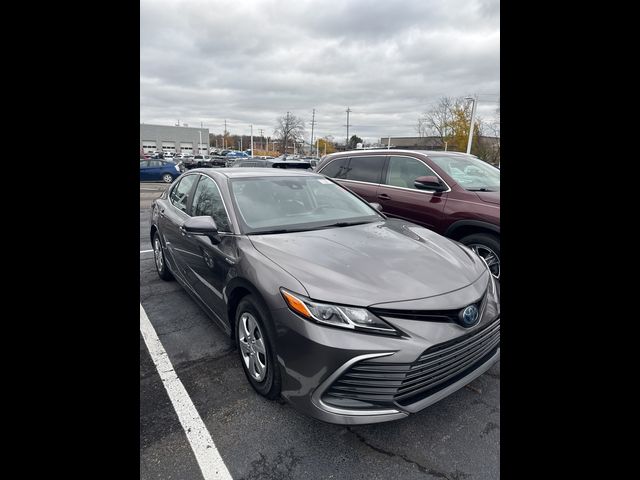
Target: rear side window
(365, 169)
(156, 163)
(336, 168)
(180, 193)
(208, 201)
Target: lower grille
(370, 383)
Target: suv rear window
(365, 169)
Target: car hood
(372, 263)
(489, 197)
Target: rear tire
(487, 246)
(160, 259)
(167, 178)
(254, 336)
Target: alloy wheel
(252, 346)
(489, 256)
(157, 253)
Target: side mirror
(429, 183)
(204, 226)
(376, 205)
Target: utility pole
(389, 142)
(251, 141)
(313, 122)
(224, 136)
(348, 112)
(261, 140)
(200, 144)
(473, 118)
(286, 137)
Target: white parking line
(209, 460)
(146, 251)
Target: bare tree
(421, 127)
(289, 129)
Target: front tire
(254, 336)
(487, 246)
(160, 260)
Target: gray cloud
(252, 61)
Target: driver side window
(208, 201)
(403, 171)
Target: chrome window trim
(431, 192)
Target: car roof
(241, 172)
(398, 151)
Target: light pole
(200, 144)
(474, 99)
(251, 141)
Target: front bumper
(315, 358)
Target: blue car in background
(157, 170)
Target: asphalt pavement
(456, 438)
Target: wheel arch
(235, 291)
(462, 228)
(152, 233)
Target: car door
(154, 171)
(144, 170)
(171, 219)
(400, 198)
(210, 263)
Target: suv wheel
(486, 246)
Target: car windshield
(469, 172)
(287, 204)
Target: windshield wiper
(280, 230)
(343, 224)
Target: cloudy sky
(251, 61)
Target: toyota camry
(350, 316)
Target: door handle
(162, 213)
(384, 196)
(183, 231)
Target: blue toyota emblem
(469, 316)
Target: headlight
(352, 318)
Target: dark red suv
(451, 193)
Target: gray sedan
(350, 316)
